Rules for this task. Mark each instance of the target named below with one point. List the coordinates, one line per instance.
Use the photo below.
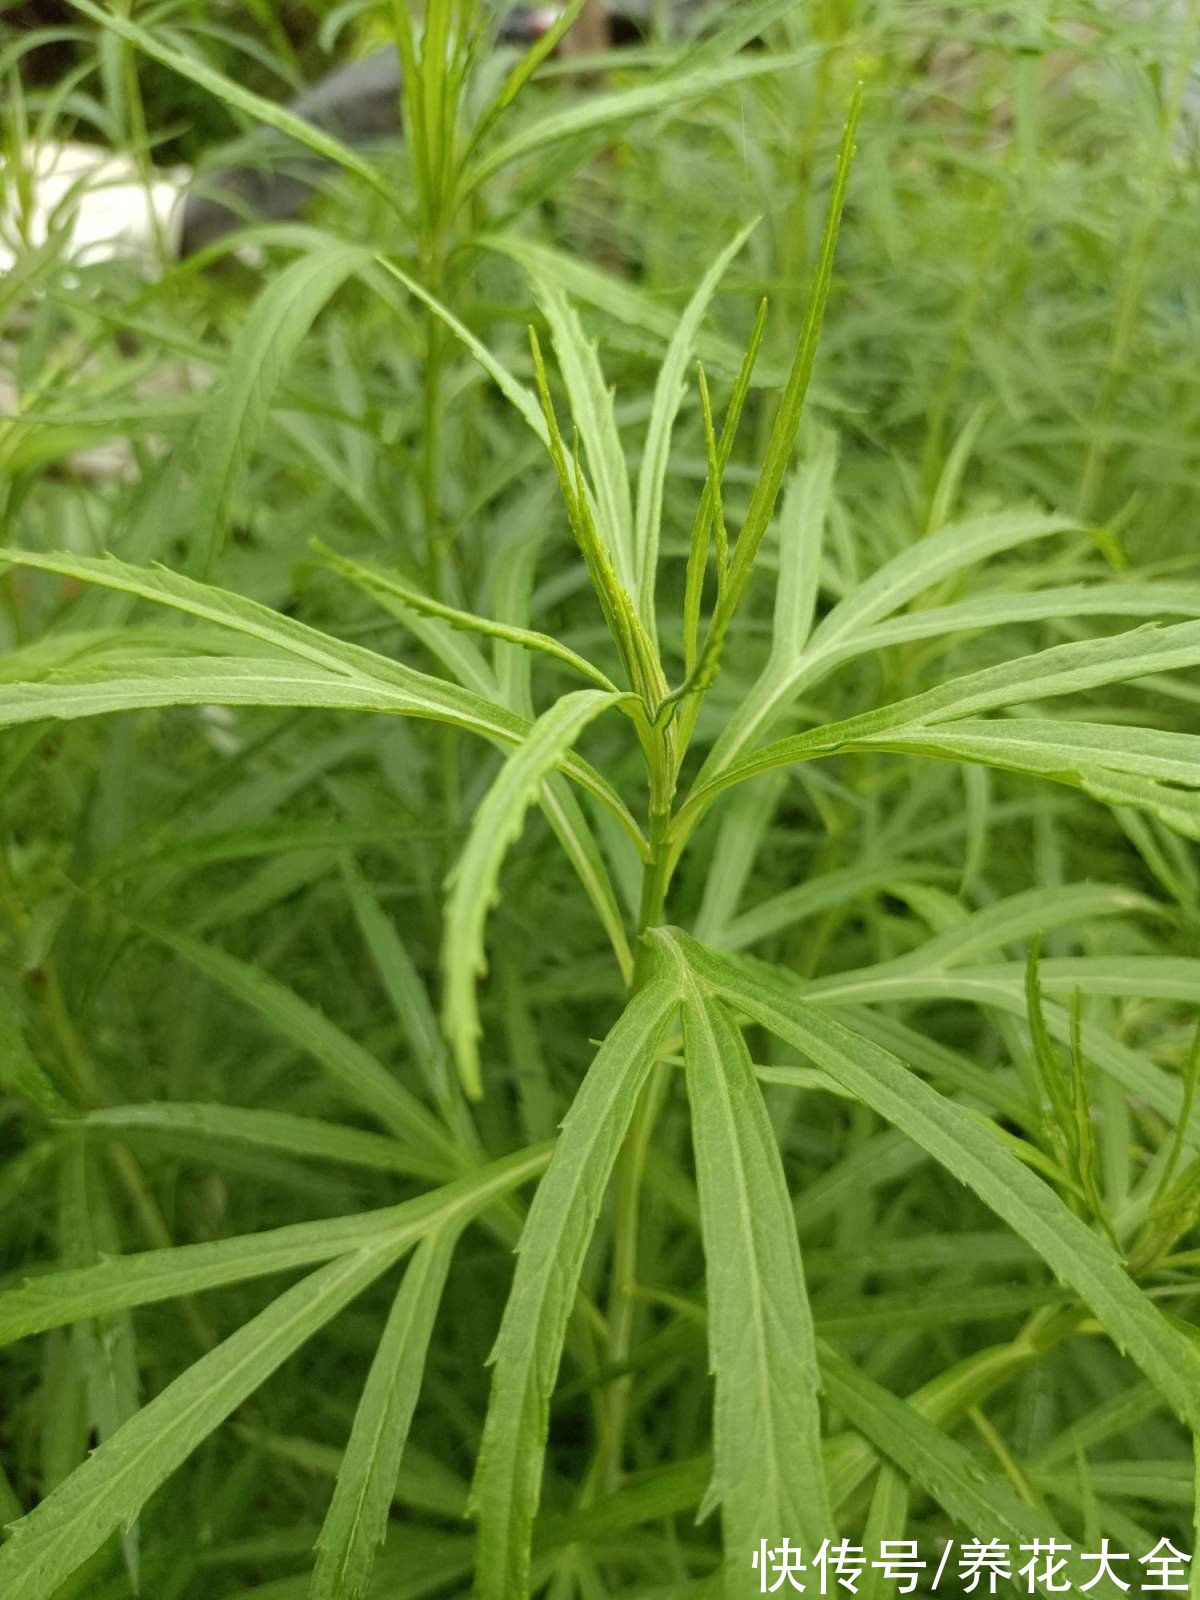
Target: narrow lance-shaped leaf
(114, 1483)
(969, 1150)
(403, 984)
(338, 675)
(1062, 669)
(514, 391)
(995, 607)
(476, 874)
(550, 1258)
(668, 395)
(623, 105)
(801, 541)
(768, 1476)
(592, 410)
(358, 1513)
(847, 628)
(975, 1498)
(375, 581)
(791, 408)
(192, 1126)
(627, 304)
(54, 1299)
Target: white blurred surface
(97, 199)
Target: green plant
(812, 701)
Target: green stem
(631, 1163)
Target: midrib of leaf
(787, 1460)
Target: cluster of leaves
(822, 748)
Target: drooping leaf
(474, 880)
(624, 105)
(376, 581)
(241, 99)
(837, 637)
(334, 674)
(187, 1124)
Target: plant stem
(631, 1163)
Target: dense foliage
(531, 829)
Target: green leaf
(624, 105)
(846, 629)
(826, 890)
(566, 816)
(1014, 920)
(184, 1124)
(782, 441)
(1069, 751)
(524, 70)
(801, 540)
(1002, 989)
(109, 1490)
(54, 1299)
(522, 399)
(1062, 669)
(358, 1513)
(475, 878)
(375, 581)
(338, 675)
(562, 810)
(971, 1152)
(1161, 977)
(237, 411)
(998, 608)
(403, 985)
(768, 1474)
(20, 1071)
(975, 1498)
(593, 413)
(1176, 809)
(624, 302)
(553, 1245)
(668, 396)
